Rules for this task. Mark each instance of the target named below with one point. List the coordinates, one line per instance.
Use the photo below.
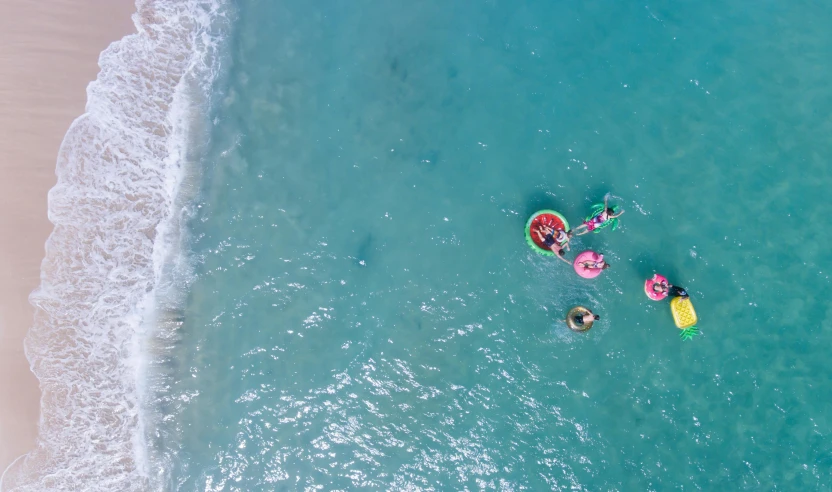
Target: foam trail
(120, 169)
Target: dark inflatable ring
(570, 319)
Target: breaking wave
(127, 170)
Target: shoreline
(50, 53)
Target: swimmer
(560, 236)
(582, 319)
(554, 240)
(675, 291)
(597, 220)
(665, 287)
(595, 265)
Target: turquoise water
(365, 312)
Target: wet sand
(48, 54)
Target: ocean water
(366, 314)
(335, 292)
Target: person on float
(599, 219)
(556, 240)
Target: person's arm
(619, 214)
(562, 258)
(540, 236)
(606, 200)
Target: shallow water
(366, 312)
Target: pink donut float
(648, 287)
(584, 271)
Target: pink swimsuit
(594, 222)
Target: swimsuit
(549, 240)
(594, 222)
(677, 292)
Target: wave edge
(125, 173)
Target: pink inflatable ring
(582, 270)
(648, 287)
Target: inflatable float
(578, 311)
(648, 287)
(585, 257)
(548, 218)
(596, 210)
(684, 316)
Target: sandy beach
(48, 54)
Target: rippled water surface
(366, 312)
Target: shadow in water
(364, 251)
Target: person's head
(569, 233)
(561, 252)
(610, 211)
(606, 265)
(596, 317)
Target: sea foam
(125, 171)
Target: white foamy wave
(122, 168)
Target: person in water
(556, 240)
(665, 287)
(582, 319)
(595, 221)
(595, 265)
